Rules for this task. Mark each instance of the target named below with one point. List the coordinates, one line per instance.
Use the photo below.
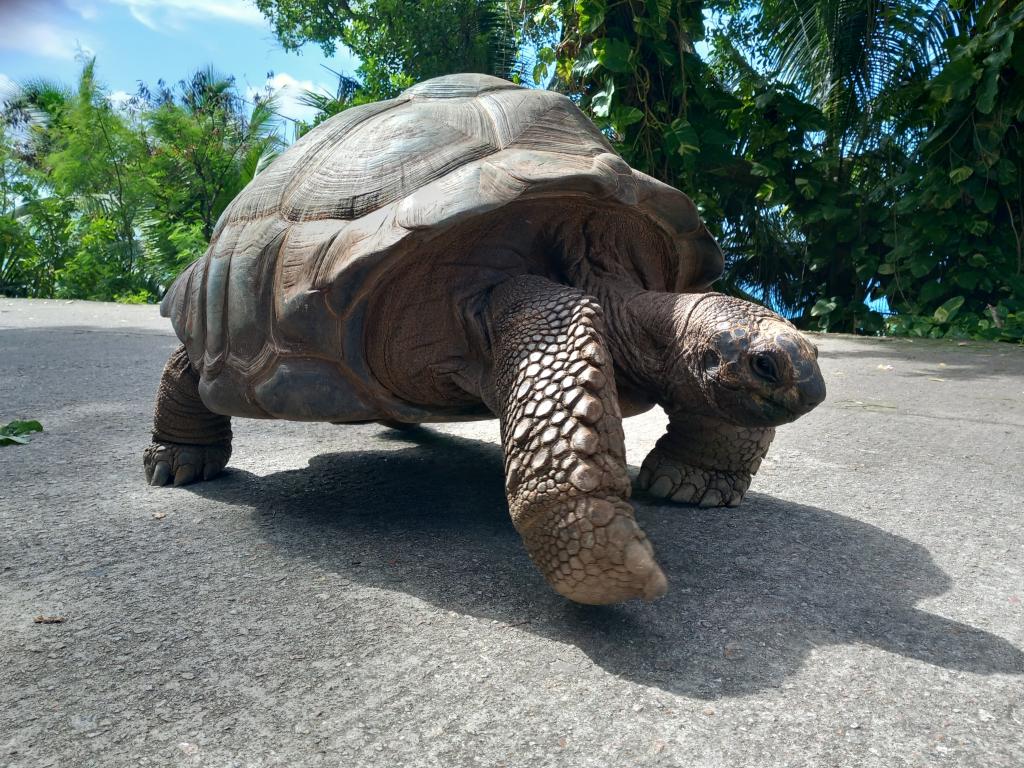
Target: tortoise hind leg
(565, 459)
(190, 442)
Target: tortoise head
(753, 367)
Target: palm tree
(852, 58)
(208, 135)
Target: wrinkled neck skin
(645, 330)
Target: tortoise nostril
(765, 367)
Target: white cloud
(143, 19)
(84, 9)
(289, 90)
(120, 99)
(157, 14)
(33, 28)
(38, 38)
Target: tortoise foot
(592, 551)
(664, 478)
(181, 464)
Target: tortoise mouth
(768, 411)
(782, 405)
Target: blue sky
(146, 40)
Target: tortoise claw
(160, 474)
(185, 475)
(181, 464)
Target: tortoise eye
(765, 367)
(711, 359)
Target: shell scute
(457, 86)
(535, 118)
(264, 194)
(305, 389)
(403, 151)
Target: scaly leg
(190, 442)
(704, 461)
(561, 430)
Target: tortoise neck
(648, 333)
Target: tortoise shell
(275, 315)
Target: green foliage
(994, 325)
(99, 160)
(206, 143)
(957, 255)
(756, 156)
(349, 93)
(13, 433)
(93, 270)
(81, 169)
(206, 147)
(111, 203)
(843, 153)
(18, 253)
(141, 296)
(400, 42)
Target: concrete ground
(347, 596)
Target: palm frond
(500, 33)
(849, 56)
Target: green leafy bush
(848, 156)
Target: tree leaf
(978, 227)
(987, 200)
(626, 116)
(18, 427)
(13, 433)
(540, 72)
(666, 53)
(955, 80)
(809, 188)
(948, 310)
(684, 136)
(601, 102)
(765, 191)
(613, 54)
(822, 307)
(932, 292)
(591, 15)
(987, 92)
(960, 174)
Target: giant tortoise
(473, 249)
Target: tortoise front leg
(190, 442)
(561, 430)
(704, 461)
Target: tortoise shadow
(752, 590)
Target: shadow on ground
(752, 590)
